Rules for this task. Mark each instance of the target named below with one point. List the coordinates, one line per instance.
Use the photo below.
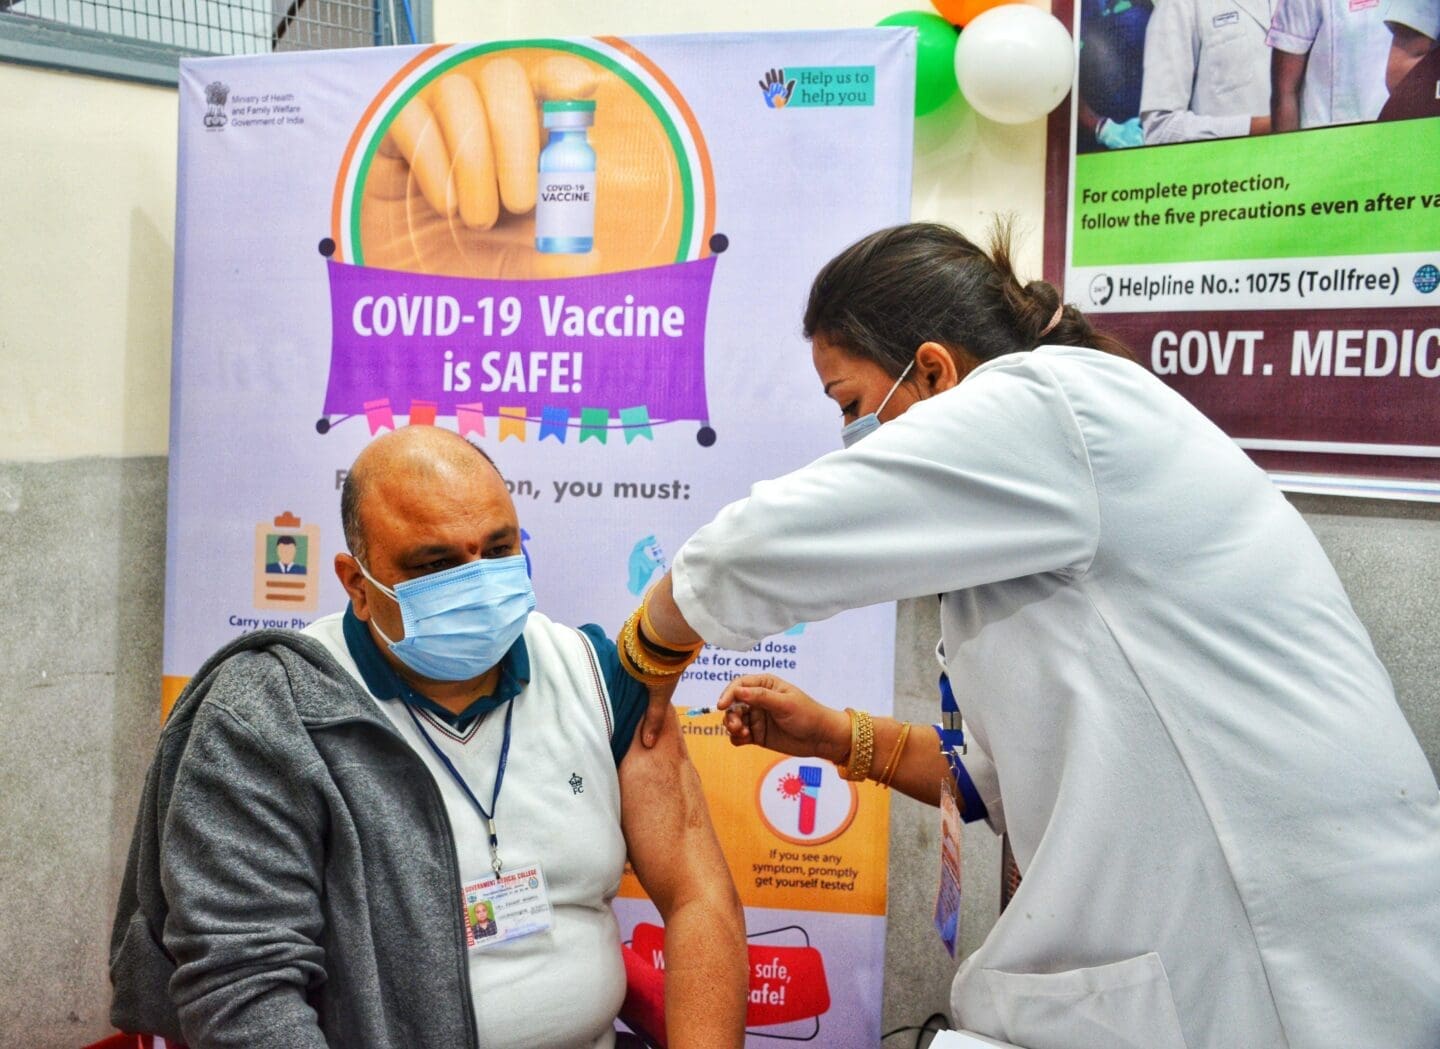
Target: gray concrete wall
(81, 548)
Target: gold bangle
(626, 650)
(894, 763)
(638, 658)
(644, 657)
(641, 664)
(639, 675)
(664, 659)
(649, 633)
(862, 747)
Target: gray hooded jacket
(292, 879)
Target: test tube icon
(809, 797)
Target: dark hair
(352, 489)
(886, 294)
(286, 540)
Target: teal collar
(384, 683)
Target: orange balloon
(960, 12)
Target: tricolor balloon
(963, 12)
(1014, 63)
(934, 57)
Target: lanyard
(489, 817)
(952, 743)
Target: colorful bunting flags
(554, 422)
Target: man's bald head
(413, 455)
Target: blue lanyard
(489, 817)
(952, 743)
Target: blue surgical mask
(870, 422)
(460, 622)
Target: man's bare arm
(677, 858)
(1287, 75)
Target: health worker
(1207, 71)
(1228, 833)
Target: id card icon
(287, 554)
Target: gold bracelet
(652, 651)
(661, 653)
(894, 763)
(638, 658)
(643, 654)
(862, 747)
(649, 633)
(639, 675)
(642, 664)
(626, 649)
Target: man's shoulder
(265, 677)
(591, 655)
(547, 639)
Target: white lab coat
(1229, 835)
(1207, 69)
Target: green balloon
(934, 57)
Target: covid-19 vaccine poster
(591, 258)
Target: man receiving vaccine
(327, 810)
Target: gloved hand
(645, 558)
(1120, 135)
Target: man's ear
(936, 369)
(347, 570)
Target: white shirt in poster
(1207, 69)
(1423, 16)
(1348, 44)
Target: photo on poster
(1291, 297)
(1201, 70)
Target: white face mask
(870, 422)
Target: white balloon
(1014, 63)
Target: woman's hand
(772, 713)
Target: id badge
(510, 906)
(947, 901)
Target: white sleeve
(1182, 125)
(1294, 26)
(1172, 54)
(986, 482)
(1423, 16)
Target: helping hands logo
(777, 89)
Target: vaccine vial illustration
(565, 206)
